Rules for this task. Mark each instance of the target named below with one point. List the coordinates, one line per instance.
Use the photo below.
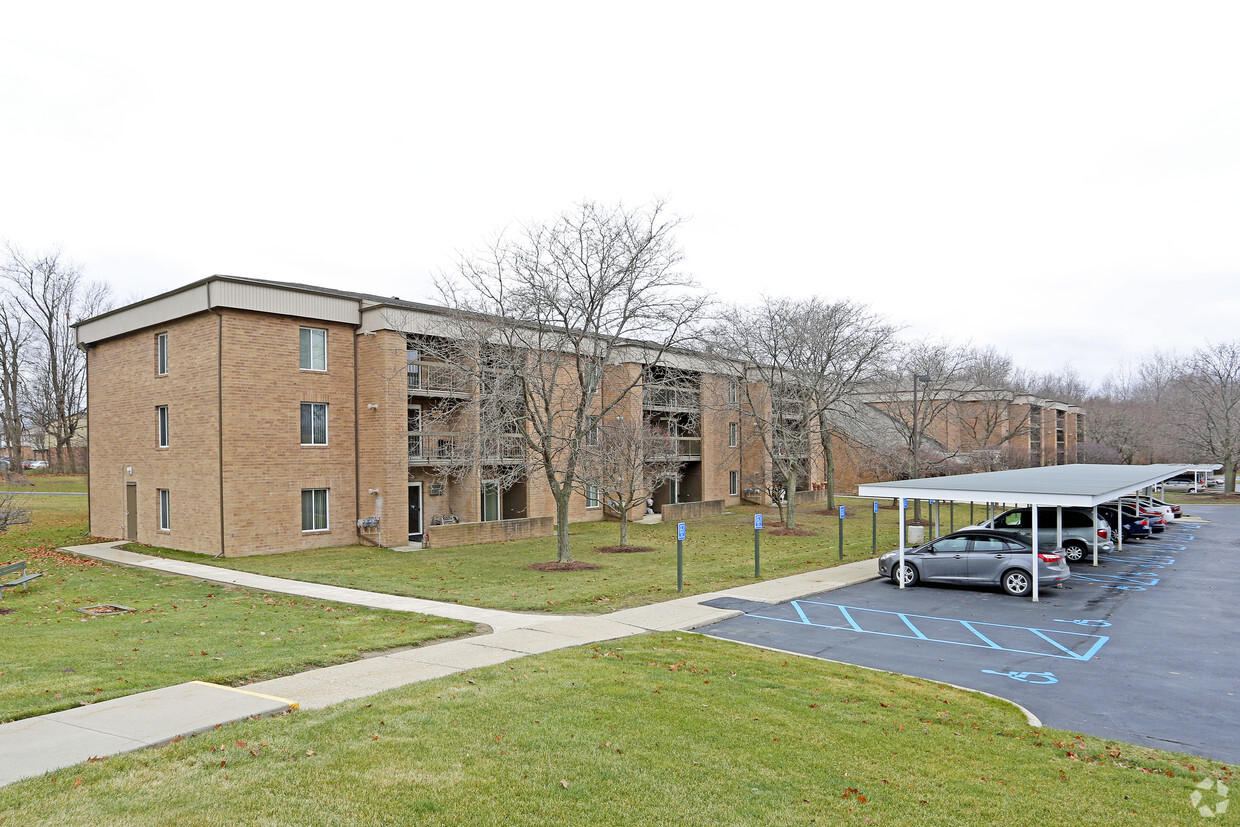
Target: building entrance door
(415, 512)
(490, 500)
(131, 510)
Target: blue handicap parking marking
(1026, 677)
(1028, 640)
(1137, 578)
(1092, 623)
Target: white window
(734, 483)
(165, 509)
(313, 423)
(733, 392)
(592, 496)
(313, 348)
(592, 430)
(314, 509)
(161, 416)
(733, 434)
(161, 354)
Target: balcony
(689, 448)
(435, 379)
(664, 398)
(440, 447)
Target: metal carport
(1055, 485)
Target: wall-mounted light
(372, 406)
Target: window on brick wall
(165, 509)
(734, 430)
(734, 484)
(314, 509)
(313, 348)
(313, 423)
(733, 391)
(161, 354)
(592, 497)
(161, 419)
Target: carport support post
(1119, 516)
(951, 516)
(1058, 526)
(1121, 530)
(970, 512)
(1033, 555)
(938, 510)
(900, 563)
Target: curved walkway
(33, 746)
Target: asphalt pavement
(1141, 649)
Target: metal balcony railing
(434, 379)
(437, 447)
(667, 398)
(689, 447)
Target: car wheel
(1074, 552)
(1017, 582)
(906, 573)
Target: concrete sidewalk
(33, 746)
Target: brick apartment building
(238, 416)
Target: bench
(22, 579)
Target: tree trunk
(829, 455)
(624, 527)
(562, 497)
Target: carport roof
(1084, 485)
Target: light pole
(915, 469)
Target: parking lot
(1140, 649)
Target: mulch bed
(575, 565)
(623, 549)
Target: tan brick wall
(383, 437)
(124, 392)
(496, 531)
(265, 466)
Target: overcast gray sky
(1060, 180)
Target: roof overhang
(1065, 485)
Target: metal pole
(970, 512)
(841, 532)
(951, 516)
(938, 512)
(757, 554)
(1033, 555)
(900, 570)
(1119, 516)
(680, 565)
(874, 531)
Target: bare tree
(545, 315)
(919, 394)
(984, 416)
(624, 463)
(11, 513)
(51, 294)
(1208, 405)
(801, 360)
(14, 359)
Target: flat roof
(1083, 485)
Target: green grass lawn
(718, 555)
(55, 657)
(40, 481)
(660, 729)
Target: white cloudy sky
(1061, 180)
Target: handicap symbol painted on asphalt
(1097, 623)
(1026, 677)
(1124, 588)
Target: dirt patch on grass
(576, 565)
(7, 611)
(623, 549)
(783, 531)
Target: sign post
(680, 557)
(841, 532)
(874, 531)
(757, 530)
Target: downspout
(357, 470)
(86, 351)
(219, 413)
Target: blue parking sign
(757, 521)
(876, 506)
(680, 531)
(841, 512)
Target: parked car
(1078, 530)
(1175, 509)
(976, 557)
(1135, 527)
(30, 464)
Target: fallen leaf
(77, 782)
(309, 752)
(564, 783)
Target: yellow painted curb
(293, 705)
